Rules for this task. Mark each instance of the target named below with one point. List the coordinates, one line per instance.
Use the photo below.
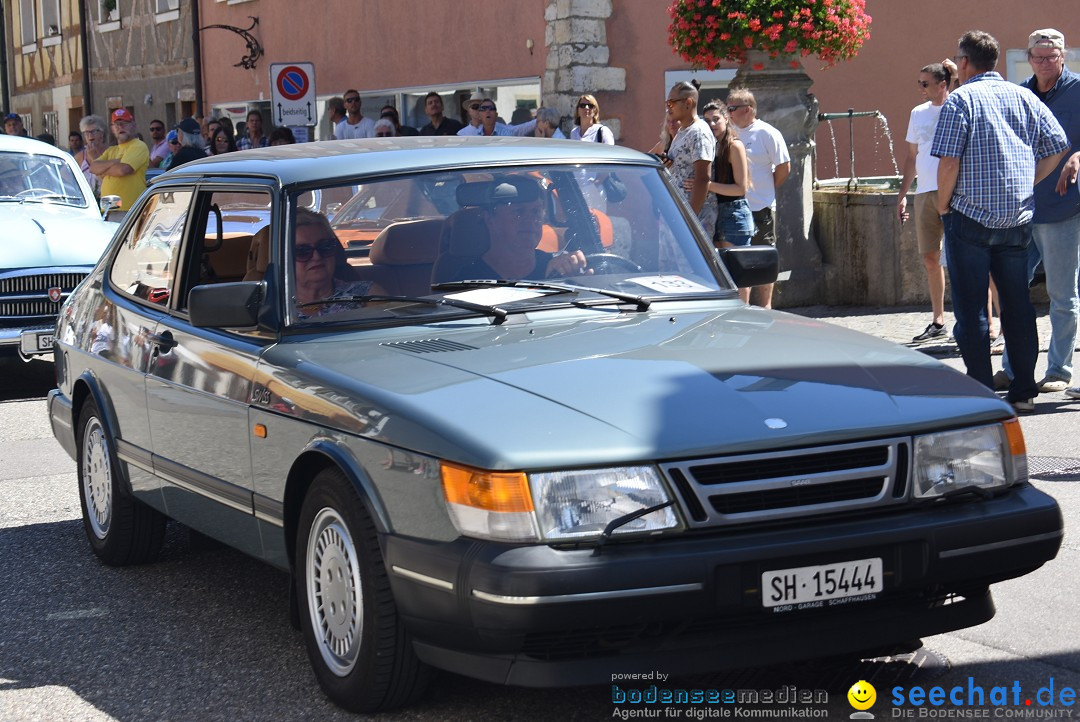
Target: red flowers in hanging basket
(708, 32)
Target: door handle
(164, 341)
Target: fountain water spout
(850, 115)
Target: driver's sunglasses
(326, 248)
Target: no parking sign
(292, 88)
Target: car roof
(311, 162)
(19, 144)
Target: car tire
(360, 651)
(121, 529)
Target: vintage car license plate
(820, 583)
(36, 341)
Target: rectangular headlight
(578, 505)
(950, 461)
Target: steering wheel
(602, 263)
(38, 191)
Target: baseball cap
(171, 136)
(122, 114)
(1048, 38)
(12, 116)
(189, 125)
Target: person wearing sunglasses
(159, 149)
(223, 142)
(484, 115)
(587, 125)
(933, 83)
(321, 270)
(354, 125)
(692, 152)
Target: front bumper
(539, 616)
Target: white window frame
(107, 20)
(166, 10)
(27, 26)
(50, 23)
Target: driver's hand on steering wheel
(568, 264)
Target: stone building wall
(578, 55)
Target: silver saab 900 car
(53, 235)
(497, 408)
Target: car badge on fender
(55, 293)
(775, 423)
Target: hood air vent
(430, 345)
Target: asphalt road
(203, 633)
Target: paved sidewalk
(901, 323)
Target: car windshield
(509, 238)
(30, 178)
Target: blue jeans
(1059, 246)
(735, 223)
(976, 253)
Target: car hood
(598, 389)
(41, 234)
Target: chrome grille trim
(841, 477)
(24, 298)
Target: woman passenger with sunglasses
(587, 120)
(322, 272)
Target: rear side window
(146, 264)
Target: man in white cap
(1056, 229)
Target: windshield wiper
(499, 314)
(641, 302)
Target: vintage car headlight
(556, 505)
(984, 457)
(577, 505)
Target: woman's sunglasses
(326, 248)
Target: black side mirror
(751, 265)
(226, 305)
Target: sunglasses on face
(486, 108)
(672, 101)
(157, 129)
(585, 106)
(352, 100)
(326, 248)
(733, 108)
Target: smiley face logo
(862, 695)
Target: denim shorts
(734, 223)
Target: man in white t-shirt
(934, 81)
(770, 165)
(354, 124)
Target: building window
(26, 24)
(164, 6)
(50, 19)
(51, 121)
(108, 11)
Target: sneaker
(932, 331)
(1002, 382)
(1050, 384)
(1023, 406)
(1073, 393)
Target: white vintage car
(52, 235)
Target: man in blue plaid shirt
(995, 141)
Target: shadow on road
(20, 380)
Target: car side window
(231, 238)
(146, 263)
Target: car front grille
(24, 299)
(779, 485)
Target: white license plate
(33, 342)
(821, 583)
